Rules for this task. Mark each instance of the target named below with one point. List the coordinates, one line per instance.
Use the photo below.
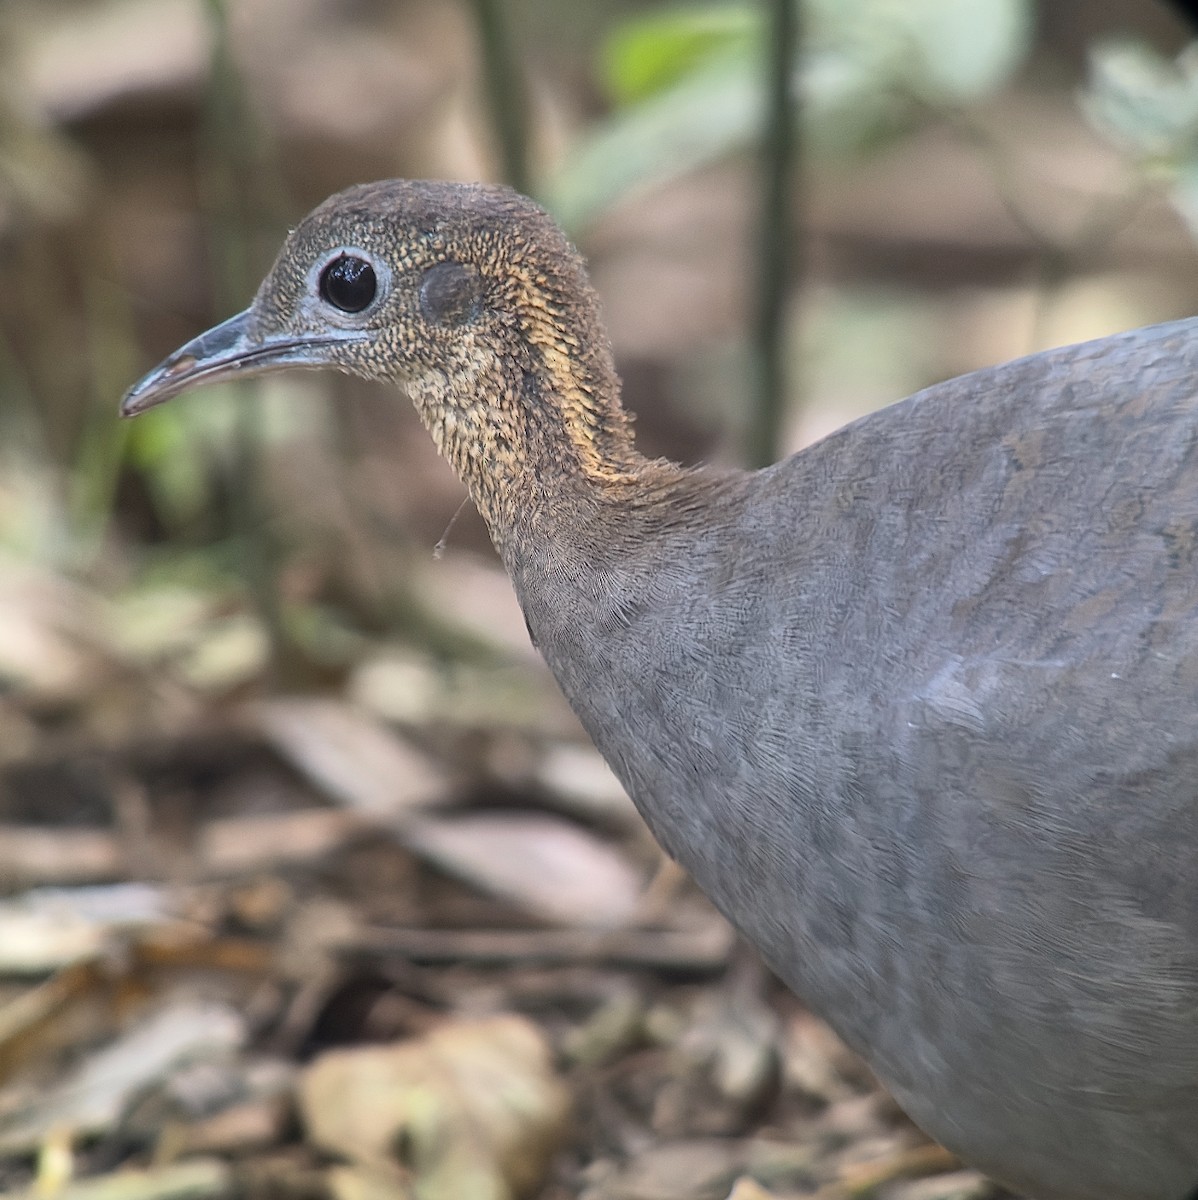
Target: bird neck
(538, 434)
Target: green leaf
(964, 48)
(711, 111)
(1148, 106)
(943, 50)
(176, 471)
(693, 84)
(647, 54)
(1184, 196)
(1147, 103)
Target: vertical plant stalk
(92, 484)
(774, 250)
(506, 96)
(233, 156)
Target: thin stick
(773, 248)
(232, 137)
(505, 91)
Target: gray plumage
(917, 707)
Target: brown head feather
(486, 317)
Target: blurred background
(279, 771)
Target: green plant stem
(506, 96)
(231, 133)
(92, 483)
(774, 241)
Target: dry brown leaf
(31, 854)
(242, 845)
(706, 1168)
(239, 1128)
(539, 862)
(353, 757)
(472, 1109)
(901, 1162)
(700, 948)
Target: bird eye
(449, 293)
(348, 283)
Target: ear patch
(450, 293)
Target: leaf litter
(305, 947)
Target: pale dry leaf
(690, 1168)
(232, 846)
(400, 685)
(32, 854)
(869, 1165)
(312, 940)
(539, 862)
(747, 1188)
(473, 1108)
(96, 55)
(95, 1095)
(478, 597)
(356, 1181)
(681, 1170)
(227, 652)
(733, 1036)
(956, 1185)
(352, 757)
(48, 633)
(583, 783)
(196, 1179)
(49, 928)
(615, 1026)
(817, 1062)
(150, 625)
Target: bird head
(468, 296)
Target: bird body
(917, 707)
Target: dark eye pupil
(348, 283)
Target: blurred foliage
(1148, 105)
(151, 155)
(189, 124)
(647, 54)
(687, 84)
